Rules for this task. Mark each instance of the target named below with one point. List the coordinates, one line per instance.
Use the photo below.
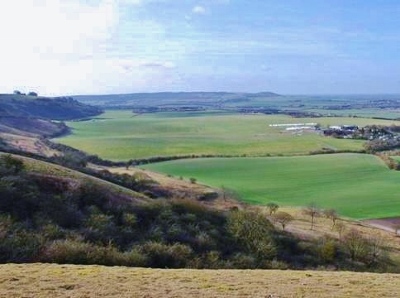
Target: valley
(193, 188)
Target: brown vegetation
(51, 280)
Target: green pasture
(357, 185)
(122, 135)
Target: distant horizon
(247, 92)
(233, 92)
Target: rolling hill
(54, 108)
(25, 119)
(54, 214)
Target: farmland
(267, 163)
(357, 185)
(122, 135)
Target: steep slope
(25, 119)
(54, 108)
(49, 213)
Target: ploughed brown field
(51, 280)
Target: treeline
(49, 219)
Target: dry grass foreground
(51, 280)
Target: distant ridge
(176, 99)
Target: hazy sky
(58, 47)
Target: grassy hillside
(51, 280)
(52, 214)
(55, 108)
(357, 185)
(121, 135)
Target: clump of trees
(362, 249)
(31, 93)
(313, 212)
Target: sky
(71, 47)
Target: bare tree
(313, 211)
(272, 207)
(340, 228)
(331, 214)
(375, 251)
(282, 218)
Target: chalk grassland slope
(357, 185)
(51, 280)
(43, 168)
(121, 135)
(179, 188)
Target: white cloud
(60, 47)
(199, 10)
(44, 40)
(135, 2)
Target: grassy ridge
(121, 135)
(51, 280)
(357, 185)
(35, 166)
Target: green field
(121, 135)
(357, 185)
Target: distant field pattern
(122, 135)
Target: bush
(67, 252)
(10, 165)
(243, 261)
(160, 255)
(327, 250)
(135, 258)
(212, 260)
(19, 245)
(253, 231)
(74, 251)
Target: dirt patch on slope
(180, 188)
(30, 144)
(388, 224)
